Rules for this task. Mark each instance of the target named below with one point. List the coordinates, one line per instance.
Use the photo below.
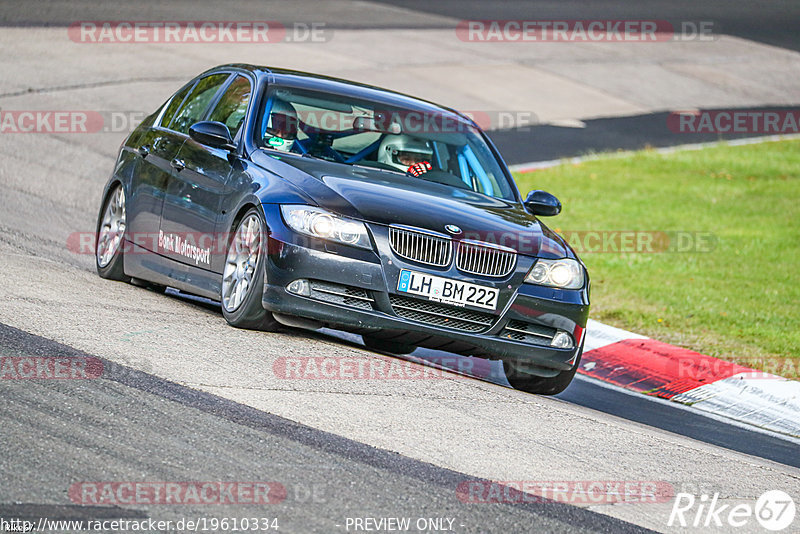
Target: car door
(157, 148)
(192, 206)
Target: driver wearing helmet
(282, 126)
(406, 153)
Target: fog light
(562, 340)
(299, 287)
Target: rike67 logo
(774, 510)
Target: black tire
(107, 231)
(249, 313)
(384, 345)
(542, 385)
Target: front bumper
(356, 292)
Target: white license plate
(447, 291)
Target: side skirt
(141, 263)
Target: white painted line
(599, 335)
(538, 165)
(567, 123)
(760, 399)
(688, 408)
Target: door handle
(143, 150)
(178, 164)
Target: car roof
(319, 82)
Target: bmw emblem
(453, 229)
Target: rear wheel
(243, 277)
(385, 345)
(110, 235)
(541, 385)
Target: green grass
(741, 301)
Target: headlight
(317, 222)
(565, 273)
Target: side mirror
(213, 134)
(542, 203)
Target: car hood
(389, 198)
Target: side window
(174, 104)
(232, 107)
(197, 102)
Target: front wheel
(110, 235)
(243, 277)
(541, 385)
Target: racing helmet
(282, 126)
(402, 151)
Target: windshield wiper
(381, 169)
(304, 155)
(312, 156)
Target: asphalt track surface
(130, 423)
(775, 23)
(633, 406)
(547, 142)
(197, 403)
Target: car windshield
(432, 145)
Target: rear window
(196, 104)
(174, 104)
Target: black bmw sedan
(301, 200)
